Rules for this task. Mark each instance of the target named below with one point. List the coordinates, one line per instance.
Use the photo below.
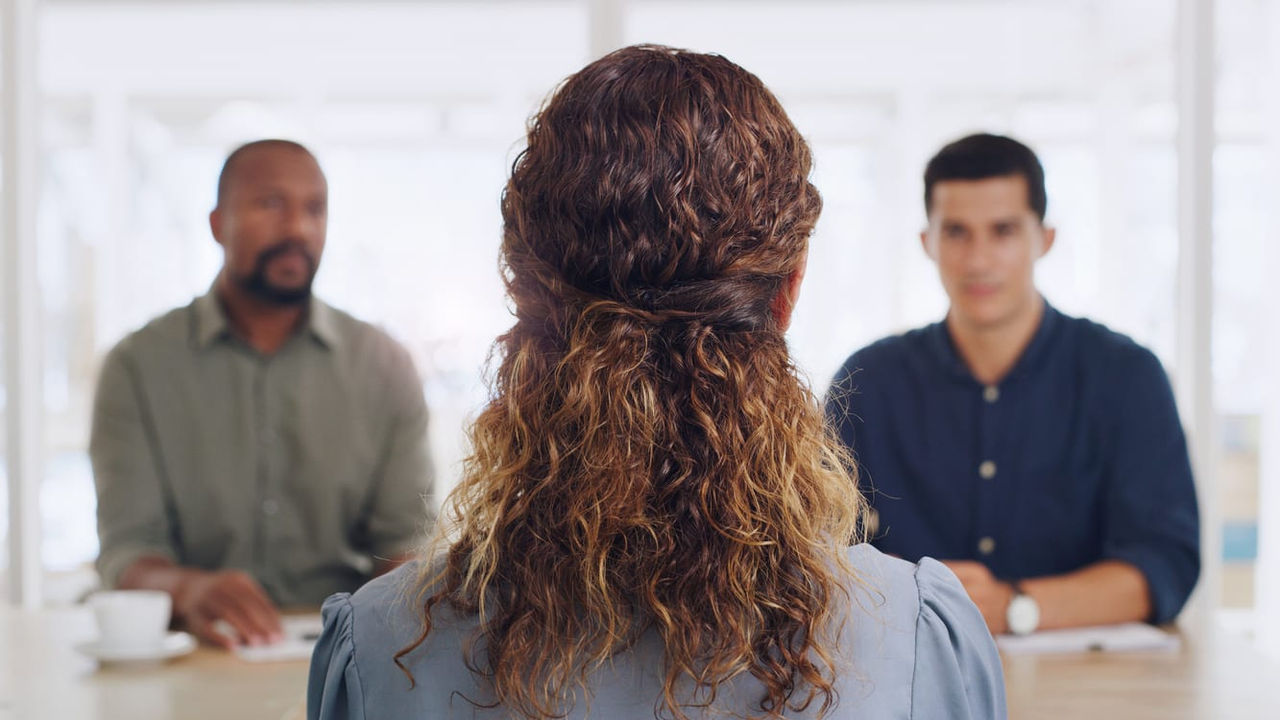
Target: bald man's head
(241, 155)
(271, 219)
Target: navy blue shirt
(1076, 456)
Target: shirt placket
(265, 506)
(987, 471)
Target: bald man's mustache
(283, 247)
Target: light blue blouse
(913, 646)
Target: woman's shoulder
(909, 622)
(381, 612)
(357, 669)
(891, 588)
(388, 613)
(885, 596)
(907, 588)
(397, 590)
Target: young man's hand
(989, 594)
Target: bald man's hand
(223, 607)
(227, 608)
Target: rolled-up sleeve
(132, 521)
(401, 504)
(334, 691)
(957, 669)
(1152, 518)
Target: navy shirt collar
(943, 347)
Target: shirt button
(986, 546)
(987, 469)
(991, 393)
(270, 507)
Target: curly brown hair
(650, 459)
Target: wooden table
(42, 676)
(1214, 676)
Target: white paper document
(300, 635)
(1126, 637)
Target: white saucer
(175, 644)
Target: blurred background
(416, 110)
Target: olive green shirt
(299, 468)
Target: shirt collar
(212, 325)
(321, 323)
(1036, 350)
(944, 347)
(210, 321)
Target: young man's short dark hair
(981, 156)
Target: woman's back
(913, 646)
(654, 512)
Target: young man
(258, 448)
(1038, 454)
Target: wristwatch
(1023, 613)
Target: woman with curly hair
(654, 520)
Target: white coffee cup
(131, 619)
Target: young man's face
(985, 239)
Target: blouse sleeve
(957, 669)
(333, 688)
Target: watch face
(1023, 615)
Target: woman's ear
(788, 295)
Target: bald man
(257, 448)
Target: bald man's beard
(258, 284)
